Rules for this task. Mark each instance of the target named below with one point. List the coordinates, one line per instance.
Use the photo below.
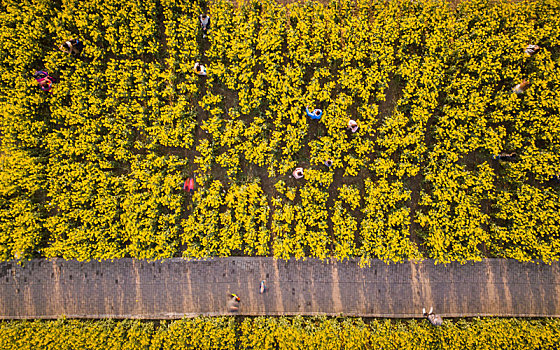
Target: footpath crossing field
(175, 288)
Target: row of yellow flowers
(280, 333)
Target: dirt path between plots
(175, 288)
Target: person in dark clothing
(507, 157)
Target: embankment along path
(175, 288)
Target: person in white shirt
(434, 319)
(73, 47)
(205, 24)
(199, 69)
(530, 50)
(352, 125)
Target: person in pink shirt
(44, 80)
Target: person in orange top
(522, 87)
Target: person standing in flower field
(506, 157)
(189, 185)
(315, 115)
(530, 50)
(199, 69)
(204, 24)
(352, 125)
(298, 173)
(44, 80)
(72, 47)
(522, 87)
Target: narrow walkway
(175, 288)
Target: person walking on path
(530, 50)
(72, 47)
(233, 303)
(434, 319)
(204, 24)
(44, 80)
(298, 173)
(199, 69)
(506, 157)
(522, 87)
(315, 115)
(262, 288)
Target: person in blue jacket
(315, 115)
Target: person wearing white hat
(352, 125)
